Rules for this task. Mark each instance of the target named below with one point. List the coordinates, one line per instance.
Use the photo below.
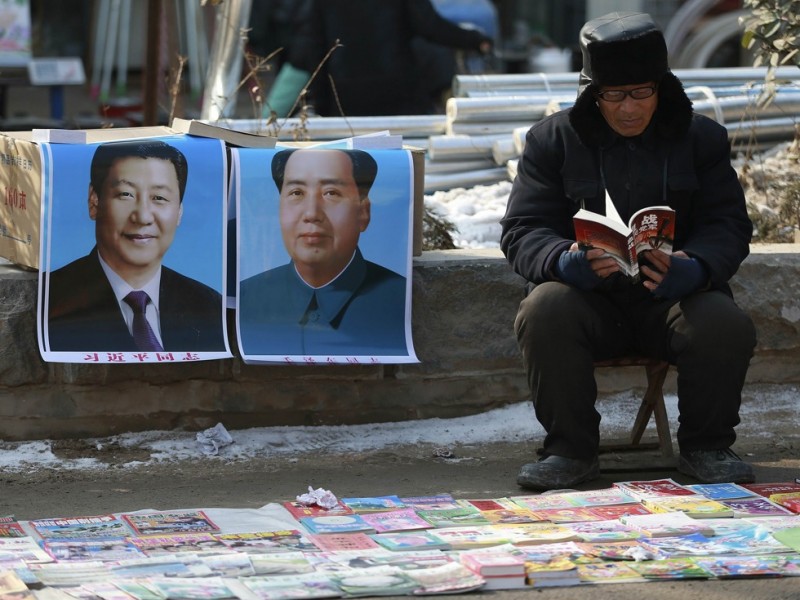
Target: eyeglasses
(639, 93)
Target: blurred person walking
(374, 71)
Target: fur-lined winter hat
(623, 48)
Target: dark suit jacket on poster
(360, 313)
(84, 314)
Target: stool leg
(653, 404)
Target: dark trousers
(561, 332)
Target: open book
(648, 228)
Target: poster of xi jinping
(133, 251)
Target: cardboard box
(20, 209)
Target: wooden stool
(652, 404)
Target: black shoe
(715, 466)
(556, 472)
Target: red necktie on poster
(143, 334)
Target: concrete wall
(464, 304)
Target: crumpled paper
(639, 554)
(319, 496)
(214, 438)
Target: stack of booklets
(634, 531)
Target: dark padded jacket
(682, 160)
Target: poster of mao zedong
(324, 255)
(133, 250)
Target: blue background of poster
(386, 240)
(197, 250)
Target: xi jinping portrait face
(137, 207)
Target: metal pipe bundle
(513, 83)
(498, 108)
(455, 166)
(733, 108)
(485, 127)
(447, 181)
(481, 137)
(462, 147)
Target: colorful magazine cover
(756, 507)
(374, 581)
(654, 488)
(84, 528)
(608, 572)
(404, 519)
(721, 491)
(336, 524)
(300, 509)
(543, 501)
(22, 548)
(410, 540)
(373, 504)
(192, 588)
(99, 549)
(670, 568)
(453, 517)
(9, 527)
(278, 587)
(603, 497)
(158, 545)
(437, 501)
(264, 542)
(170, 521)
(728, 567)
(342, 542)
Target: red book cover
(619, 510)
(299, 510)
(768, 489)
(9, 527)
(654, 488)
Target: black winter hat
(622, 48)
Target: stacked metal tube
(482, 134)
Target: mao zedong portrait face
(329, 299)
(323, 209)
(120, 297)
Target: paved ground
(481, 471)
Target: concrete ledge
(464, 303)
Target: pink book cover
(543, 502)
(493, 563)
(568, 515)
(654, 488)
(337, 542)
(403, 519)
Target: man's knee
(547, 311)
(716, 322)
